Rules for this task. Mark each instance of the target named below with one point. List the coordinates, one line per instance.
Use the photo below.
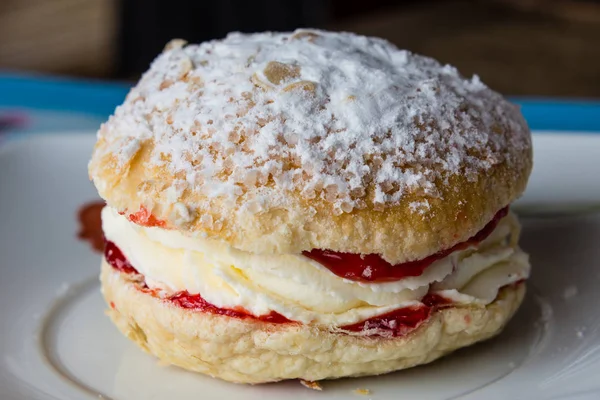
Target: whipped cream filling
(301, 289)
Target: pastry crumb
(311, 385)
(362, 392)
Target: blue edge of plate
(99, 99)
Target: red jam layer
(196, 302)
(403, 320)
(396, 323)
(144, 217)
(373, 268)
(115, 257)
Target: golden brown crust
(229, 348)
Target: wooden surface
(519, 47)
(515, 51)
(58, 36)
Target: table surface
(33, 104)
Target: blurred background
(518, 47)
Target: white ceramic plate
(56, 343)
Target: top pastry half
(289, 142)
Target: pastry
(309, 205)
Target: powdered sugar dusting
(346, 118)
(420, 207)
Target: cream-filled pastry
(309, 205)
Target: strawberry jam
(196, 302)
(373, 268)
(395, 323)
(145, 218)
(116, 258)
(403, 320)
(435, 300)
